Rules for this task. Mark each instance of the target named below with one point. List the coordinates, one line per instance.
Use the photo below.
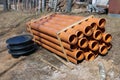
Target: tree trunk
(69, 5)
(55, 5)
(43, 5)
(39, 5)
(5, 5)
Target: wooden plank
(62, 48)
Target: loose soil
(33, 68)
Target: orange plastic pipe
(65, 19)
(91, 23)
(57, 52)
(61, 23)
(70, 38)
(109, 45)
(75, 54)
(103, 49)
(69, 17)
(85, 28)
(93, 45)
(54, 40)
(99, 21)
(89, 56)
(107, 37)
(62, 19)
(58, 27)
(78, 33)
(97, 35)
(83, 42)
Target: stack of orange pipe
(83, 41)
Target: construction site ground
(33, 68)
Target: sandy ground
(33, 68)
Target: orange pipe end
(102, 23)
(107, 37)
(88, 31)
(94, 26)
(93, 45)
(103, 49)
(71, 38)
(89, 56)
(83, 42)
(99, 21)
(80, 55)
(79, 34)
(97, 35)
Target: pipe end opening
(102, 23)
(94, 26)
(104, 50)
(95, 46)
(108, 38)
(83, 43)
(79, 34)
(80, 55)
(88, 30)
(91, 57)
(98, 35)
(73, 39)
